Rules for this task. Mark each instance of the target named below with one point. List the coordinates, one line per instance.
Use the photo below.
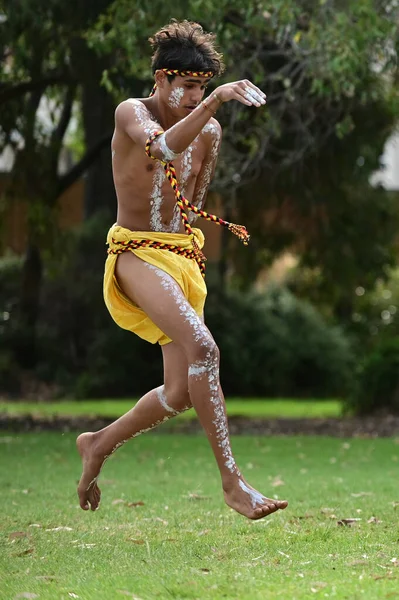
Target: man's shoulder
(212, 128)
(211, 132)
(126, 105)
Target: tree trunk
(29, 307)
(98, 109)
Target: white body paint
(162, 400)
(167, 153)
(160, 392)
(156, 200)
(144, 117)
(175, 97)
(159, 178)
(205, 178)
(200, 333)
(256, 497)
(186, 166)
(208, 368)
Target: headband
(207, 74)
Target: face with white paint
(182, 94)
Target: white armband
(167, 153)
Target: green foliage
(378, 382)
(271, 344)
(95, 358)
(274, 344)
(371, 314)
(316, 61)
(329, 71)
(376, 310)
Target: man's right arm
(133, 117)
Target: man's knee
(205, 354)
(174, 397)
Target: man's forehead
(191, 79)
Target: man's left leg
(155, 407)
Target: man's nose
(196, 97)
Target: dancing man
(164, 152)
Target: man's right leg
(163, 301)
(155, 407)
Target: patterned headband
(206, 74)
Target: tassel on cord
(241, 232)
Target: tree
(326, 65)
(329, 69)
(46, 67)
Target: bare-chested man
(153, 284)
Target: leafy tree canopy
(316, 59)
(297, 173)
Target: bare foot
(88, 491)
(249, 502)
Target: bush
(81, 347)
(376, 311)
(378, 381)
(10, 281)
(271, 344)
(276, 345)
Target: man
(153, 284)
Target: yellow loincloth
(185, 271)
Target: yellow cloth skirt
(185, 272)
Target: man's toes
(84, 503)
(281, 504)
(264, 510)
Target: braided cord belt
(136, 244)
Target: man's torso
(146, 200)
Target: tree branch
(10, 92)
(77, 170)
(59, 132)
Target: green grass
(183, 542)
(237, 406)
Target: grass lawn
(236, 406)
(164, 532)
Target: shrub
(376, 311)
(273, 344)
(378, 381)
(10, 281)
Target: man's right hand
(244, 91)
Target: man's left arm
(212, 133)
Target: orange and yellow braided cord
(239, 230)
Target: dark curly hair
(184, 46)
